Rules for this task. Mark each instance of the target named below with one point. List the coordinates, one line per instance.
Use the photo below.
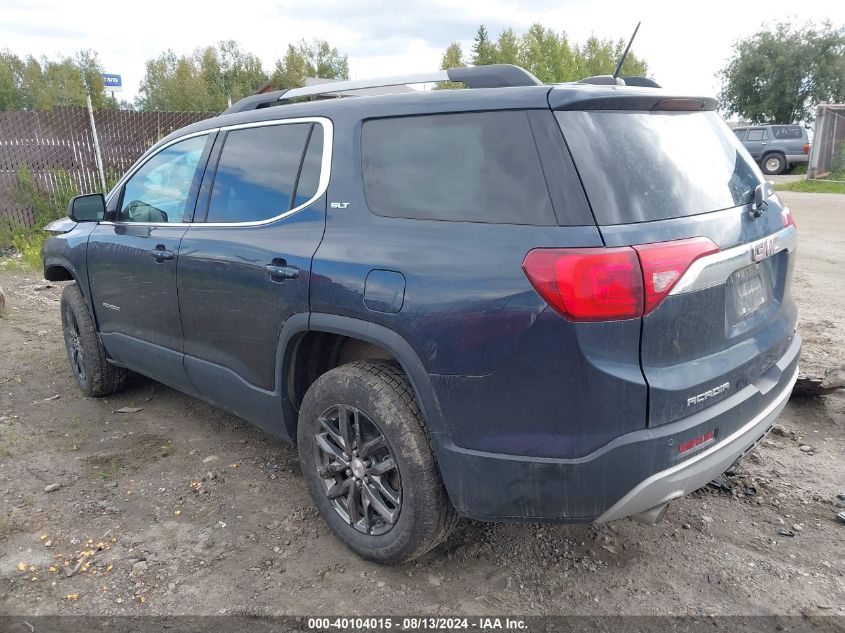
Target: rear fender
(366, 331)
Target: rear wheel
(774, 164)
(369, 465)
(86, 354)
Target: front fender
(64, 257)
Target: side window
(473, 167)
(161, 190)
(309, 175)
(757, 135)
(740, 134)
(787, 132)
(257, 172)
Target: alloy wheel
(73, 341)
(358, 470)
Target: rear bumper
(797, 158)
(630, 474)
(695, 472)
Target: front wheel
(774, 164)
(88, 359)
(369, 465)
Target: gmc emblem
(764, 249)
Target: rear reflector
(606, 284)
(698, 441)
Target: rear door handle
(160, 253)
(279, 270)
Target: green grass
(812, 186)
(103, 467)
(29, 246)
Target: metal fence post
(818, 138)
(97, 155)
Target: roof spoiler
(491, 76)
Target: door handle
(160, 254)
(279, 270)
(764, 143)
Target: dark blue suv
(514, 301)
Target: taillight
(606, 284)
(788, 219)
(806, 148)
(663, 264)
(588, 284)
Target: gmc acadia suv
(515, 301)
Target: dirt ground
(177, 508)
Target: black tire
(376, 395)
(88, 359)
(773, 164)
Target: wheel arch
(370, 333)
(58, 268)
(58, 272)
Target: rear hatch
(791, 139)
(669, 179)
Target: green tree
(507, 47)
(309, 59)
(778, 75)
(205, 81)
(546, 54)
(599, 57)
(229, 73)
(40, 84)
(172, 83)
(453, 57)
(12, 96)
(483, 50)
(550, 55)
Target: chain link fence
(827, 156)
(54, 154)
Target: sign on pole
(112, 83)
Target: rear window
(473, 167)
(643, 166)
(787, 132)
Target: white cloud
(684, 43)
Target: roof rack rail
(491, 76)
(610, 80)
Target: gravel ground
(177, 508)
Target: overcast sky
(684, 43)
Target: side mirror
(88, 208)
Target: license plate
(749, 291)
